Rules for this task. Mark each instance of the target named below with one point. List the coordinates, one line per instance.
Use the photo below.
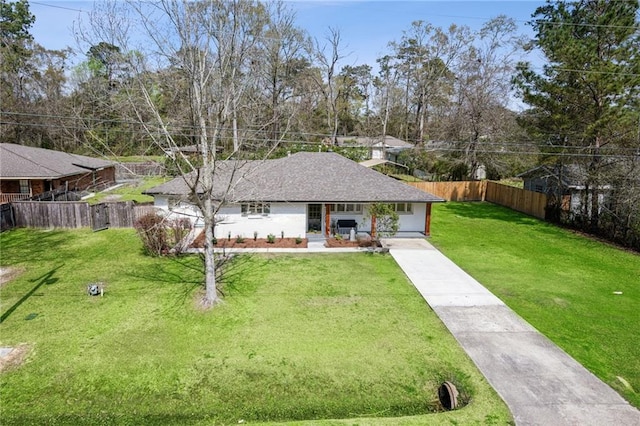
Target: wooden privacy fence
(38, 214)
(454, 191)
(528, 202)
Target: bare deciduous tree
(327, 56)
(483, 87)
(211, 47)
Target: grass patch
(131, 191)
(560, 282)
(405, 177)
(297, 338)
(138, 158)
(516, 183)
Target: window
(346, 208)
(255, 209)
(25, 188)
(402, 208)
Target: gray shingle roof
(25, 162)
(302, 177)
(568, 175)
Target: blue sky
(366, 26)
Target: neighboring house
(387, 148)
(567, 182)
(26, 172)
(301, 193)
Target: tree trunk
(594, 219)
(211, 291)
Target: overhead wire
(187, 130)
(496, 148)
(58, 7)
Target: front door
(314, 217)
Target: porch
(11, 197)
(339, 218)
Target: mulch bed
(251, 243)
(282, 243)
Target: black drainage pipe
(448, 395)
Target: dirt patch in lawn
(250, 243)
(8, 273)
(13, 357)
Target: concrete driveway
(540, 383)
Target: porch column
(373, 226)
(327, 219)
(427, 221)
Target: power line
(604, 153)
(539, 153)
(584, 71)
(527, 21)
(254, 134)
(583, 24)
(187, 128)
(59, 7)
(434, 145)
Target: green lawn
(405, 177)
(298, 337)
(138, 158)
(561, 282)
(131, 191)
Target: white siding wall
(290, 218)
(377, 152)
(161, 202)
(413, 222)
(181, 210)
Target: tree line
(433, 84)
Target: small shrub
(298, 240)
(271, 239)
(239, 239)
(338, 237)
(180, 228)
(282, 235)
(255, 235)
(153, 233)
(229, 236)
